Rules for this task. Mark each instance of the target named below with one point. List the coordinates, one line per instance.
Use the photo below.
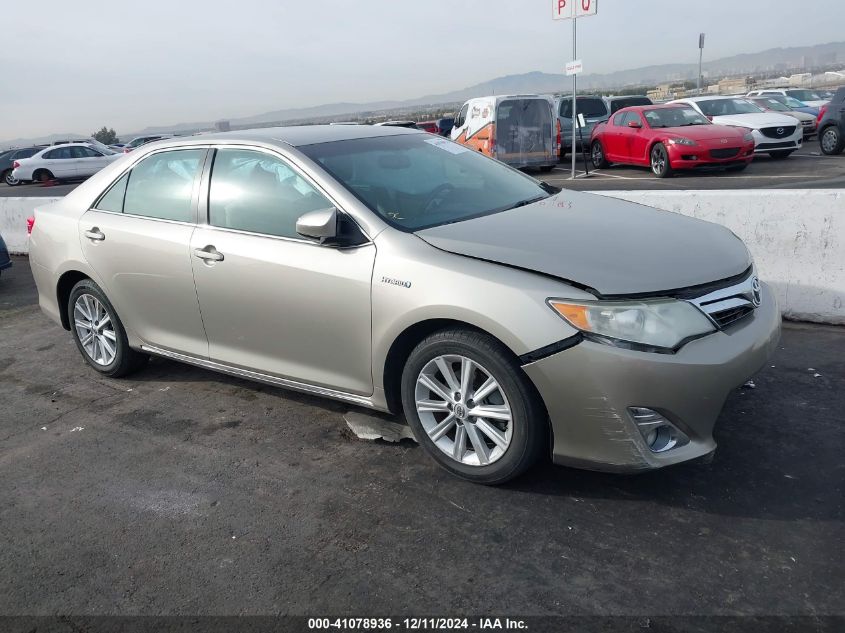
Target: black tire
(6, 177)
(597, 155)
(781, 155)
(43, 175)
(529, 421)
(126, 360)
(831, 141)
(659, 159)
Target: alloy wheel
(829, 141)
(658, 161)
(597, 155)
(11, 180)
(464, 410)
(95, 329)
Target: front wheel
(9, 179)
(660, 165)
(597, 155)
(831, 142)
(98, 332)
(471, 407)
(780, 155)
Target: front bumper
(764, 144)
(588, 389)
(691, 157)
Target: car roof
(713, 98)
(301, 135)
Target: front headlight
(682, 141)
(656, 323)
(748, 137)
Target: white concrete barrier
(797, 238)
(13, 215)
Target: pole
(574, 87)
(700, 55)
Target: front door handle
(209, 254)
(95, 234)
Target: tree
(106, 136)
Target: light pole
(700, 56)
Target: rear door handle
(95, 234)
(209, 254)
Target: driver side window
(462, 116)
(260, 193)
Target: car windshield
(674, 117)
(792, 102)
(415, 181)
(724, 107)
(805, 95)
(772, 104)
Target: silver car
(397, 270)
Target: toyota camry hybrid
(397, 270)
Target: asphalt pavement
(182, 491)
(807, 169)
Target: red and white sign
(568, 9)
(575, 67)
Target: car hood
(755, 120)
(606, 245)
(706, 132)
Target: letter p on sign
(564, 9)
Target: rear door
(136, 238)
(60, 162)
(272, 301)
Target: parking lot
(181, 491)
(805, 169)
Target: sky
(126, 64)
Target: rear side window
(113, 200)
(161, 185)
(60, 153)
(256, 192)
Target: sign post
(572, 10)
(700, 56)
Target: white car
(777, 135)
(62, 162)
(809, 97)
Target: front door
(272, 301)
(136, 239)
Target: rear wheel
(660, 165)
(9, 179)
(471, 407)
(597, 156)
(43, 175)
(98, 332)
(831, 141)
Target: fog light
(659, 434)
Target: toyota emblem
(780, 131)
(756, 292)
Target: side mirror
(635, 124)
(320, 224)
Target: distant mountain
(772, 61)
(41, 140)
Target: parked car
(5, 259)
(428, 126)
(138, 141)
(392, 270)
(832, 125)
(808, 121)
(808, 97)
(445, 125)
(519, 130)
(669, 138)
(595, 109)
(8, 158)
(793, 104)
(777, 135)
(63, 162)
(91, 142)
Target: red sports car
(667, 138)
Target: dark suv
(832, 125)
(8, 158)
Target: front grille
(724, 153)
(775, 145)
(733, 303)
(778, 132)
(809, 123)
(724, 318)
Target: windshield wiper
(523, 203)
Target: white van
(520, 130)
